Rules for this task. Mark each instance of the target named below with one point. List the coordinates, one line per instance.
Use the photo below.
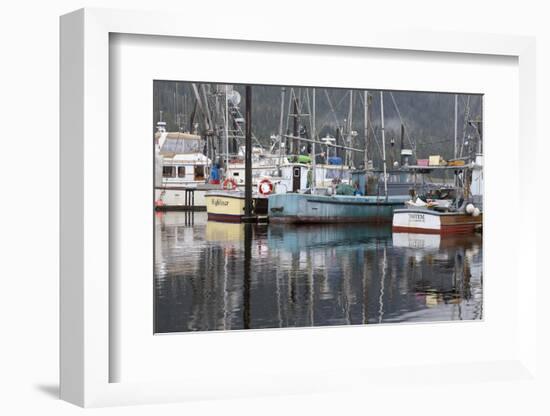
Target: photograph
(306, 206)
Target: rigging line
(323, 120)
(332, 109)
(300, 101)
(376, 140)
(311, 129)
(436, 140)
(361, 98)
(402, 122)
(290, 99)
(465, 124)
(198, 100)
(240, 130)
(373, 132)
(342, 99)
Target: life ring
(229, 184)
(265, 187)
(159, 203)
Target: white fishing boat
(428, 221)
(264, 166)
(180, 166)
(460, 213)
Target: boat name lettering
(416, 217)
(217, 202)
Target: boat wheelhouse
(180, 165)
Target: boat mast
(226, 128)
(176, 108)
(206, 119)
(281, 118)
(350, 121)
(456, 125)
(383, 143)
(366, 124)
(248, 156)
(295, 132)
(314, 137)
(456, 136)
(465, 124)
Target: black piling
(189, 206)
(248, 158)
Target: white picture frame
(85, 217)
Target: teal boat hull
(310, 209)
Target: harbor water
(218, 276)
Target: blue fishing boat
(308, 208)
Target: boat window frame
(173, 175)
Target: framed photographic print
(343, 228)
(246, 215)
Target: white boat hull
(427, 221)
(174, 199)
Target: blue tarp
(215, 172)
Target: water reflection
(216, 276)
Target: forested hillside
(428, 117)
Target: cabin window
(181, 171)
(199, 172)
(235, 173)
(168, 171)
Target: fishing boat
(290, 174)
(340, 203)
(180, 166)
(459, 211)
(229, 206)
(264, 165)
(307, 208)
(429, 221)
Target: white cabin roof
(176, 142)
(187, 158)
